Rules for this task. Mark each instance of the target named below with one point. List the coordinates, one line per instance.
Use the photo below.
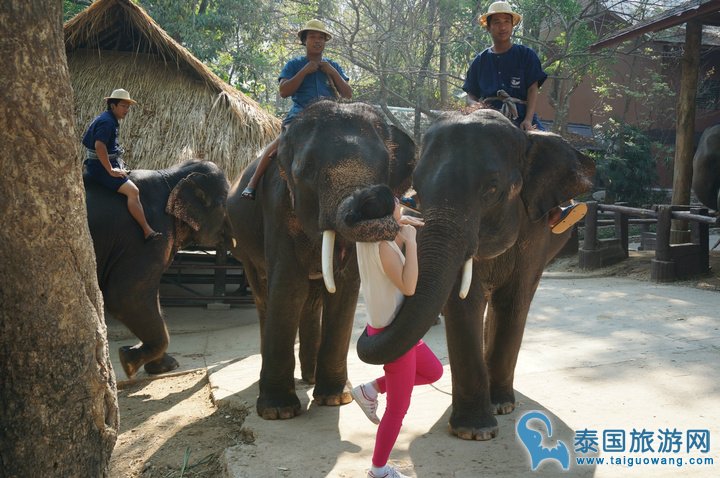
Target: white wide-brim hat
(120, 94)
(500, 7)
(315, 25)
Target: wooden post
(590, 241)
(685, 126)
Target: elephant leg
(504, 328)
(331, 386)
(310, 331)
(164, 364)
(471, 417)
(288, 291)
(140, 313)
(258, 284)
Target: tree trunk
(685, 130)
(58, 402)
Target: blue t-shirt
(315, 85)
(513, 71)
(104, 128)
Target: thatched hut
(184, 110)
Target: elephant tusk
(328, 246)
(466, 278)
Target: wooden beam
(685, 127)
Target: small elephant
(706, 168)
(187, 204)
(304, 200)
(485, 188)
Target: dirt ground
(184, 433)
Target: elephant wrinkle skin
(326, 155)
(706, 168)
(187, 203)
(486, 188)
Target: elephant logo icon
(532, 440)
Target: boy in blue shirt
(306, 79)
(507, 77)
(104, 157)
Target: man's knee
(129, 189)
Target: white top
(382, 298)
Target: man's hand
(118, 173)
(326, 67)
(527, 125)
(312, 66)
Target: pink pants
(419, 366)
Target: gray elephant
(187, 204)
(304, 202)
(485, 188)
(706, 168)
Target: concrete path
(601, 356)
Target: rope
(508, 109)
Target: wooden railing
(671, 261)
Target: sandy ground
(170, 426)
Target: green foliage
(626, 167)
(73, 7)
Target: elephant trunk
(441, 254)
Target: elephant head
(197, 202)
(329, 153)
(706, 168)
(483, 185)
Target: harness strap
(508, 109)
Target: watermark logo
(619, 447)
(533, 441)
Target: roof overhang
(705, 11)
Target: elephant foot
(503, 408)
(162, 365)
(332, 396)
(479, 429)
(503, 402)
(276, 408)
(130, 359)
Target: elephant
(304, 201)
(187, 204)
(706, 168)
(485, 188)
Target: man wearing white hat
(506, 76)
(104, 162)
(306, 79)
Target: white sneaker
(390, 472)
(367, 404)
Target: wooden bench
(187, 279)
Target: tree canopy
(411, 54)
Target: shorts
(95, 170)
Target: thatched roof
(184, 109)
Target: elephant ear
(554, 173)
(188, 201)
(402, 160)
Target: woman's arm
(404, 276)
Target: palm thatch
(184, 110)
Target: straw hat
(315, 25)
(500, 7)
(120, 94)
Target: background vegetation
(411, 54)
